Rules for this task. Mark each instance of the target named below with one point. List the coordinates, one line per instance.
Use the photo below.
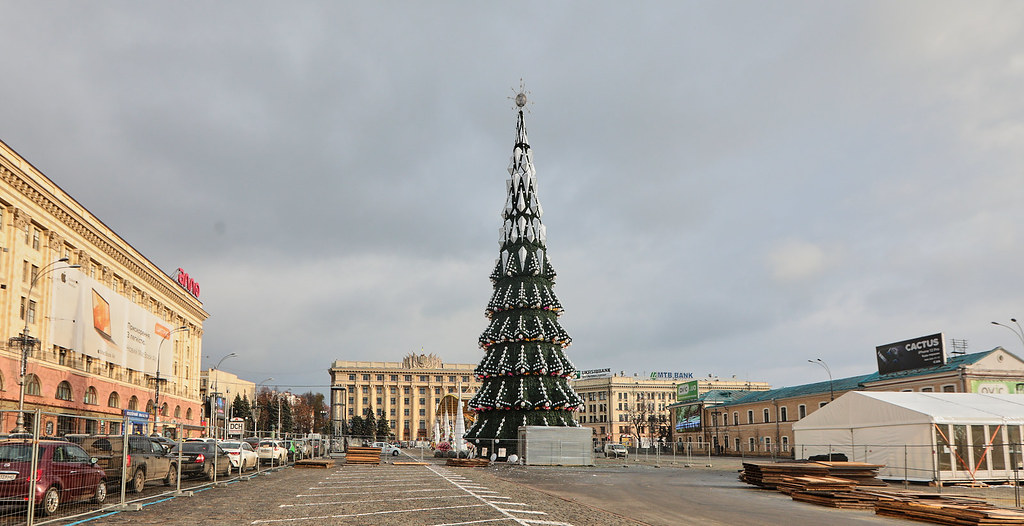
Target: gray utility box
(556, 446)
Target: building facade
(218, 390)
(761, 423)
(634, 410)
(411, 395)
(103, 322)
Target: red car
(65, 474)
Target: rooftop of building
(841, 385)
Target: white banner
(89, 318)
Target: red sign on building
(185, 281)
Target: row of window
(33, 387)
(408, 390)
(407, 378)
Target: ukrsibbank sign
(89, 318)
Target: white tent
(919, 436)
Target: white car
(272, 451)
(387, 449)
(240, 453)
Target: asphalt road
(612, 493)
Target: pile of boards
(362, 455)
(481, 462)
(853, 485)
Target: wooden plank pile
(771, 474)
(481, 462)
(850, 485)
(315, 463)
(947, 510)
(787, 474)
(362, 455)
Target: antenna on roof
(959, 346)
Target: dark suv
(147, 459)
(65, 473)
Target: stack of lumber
(362, 455)
(954, 511)
(481, 462)
(315, 463)
(852, 499)
(862, 473)
(771, 474)
(789, 484)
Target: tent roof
(857, 409)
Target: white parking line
(483, 498)
(432, 497)
(349, 515)
(368, 492)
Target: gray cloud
(728, 188)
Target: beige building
(619, 408)
(411, 395)
(99, 333)
(761, 424)
(218, 388)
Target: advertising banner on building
(89, 318)
(686, 392)
(919, 353)
(997, 387)
(688, 417)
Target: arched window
(64, 391)
(133, 403)
(90, 396)
(114, 400)
(32, 385)
(163, 409)
(149, 407)
(177, 411)
(1, 381)
(188, 414)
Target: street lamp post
(256, 399)
(831, 392)
(212, 429)
(159, 348)
(1018, 332)
(28, 342)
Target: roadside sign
(236, 427)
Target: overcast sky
(730, 188)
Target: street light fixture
(212, 391)
(1018, 332)
(28, 342)
(831, 392)
(159, 348)
(256, 399)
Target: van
(615, 450)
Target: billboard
(686, 392)
(688, 417)
(89, 318)
(997, 387)
(919, 353)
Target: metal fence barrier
(66, 466)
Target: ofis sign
(686, 392)
(186, 281)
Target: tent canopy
(861, 409)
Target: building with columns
(411, 395)
(104, 324)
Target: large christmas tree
(524, 371)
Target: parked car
(147, 459)
(295, 450)
(65, 474)
(198, 459)
(387, 449)
(240, 453)
(253, 441)
(272, 451)
(615, 450)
